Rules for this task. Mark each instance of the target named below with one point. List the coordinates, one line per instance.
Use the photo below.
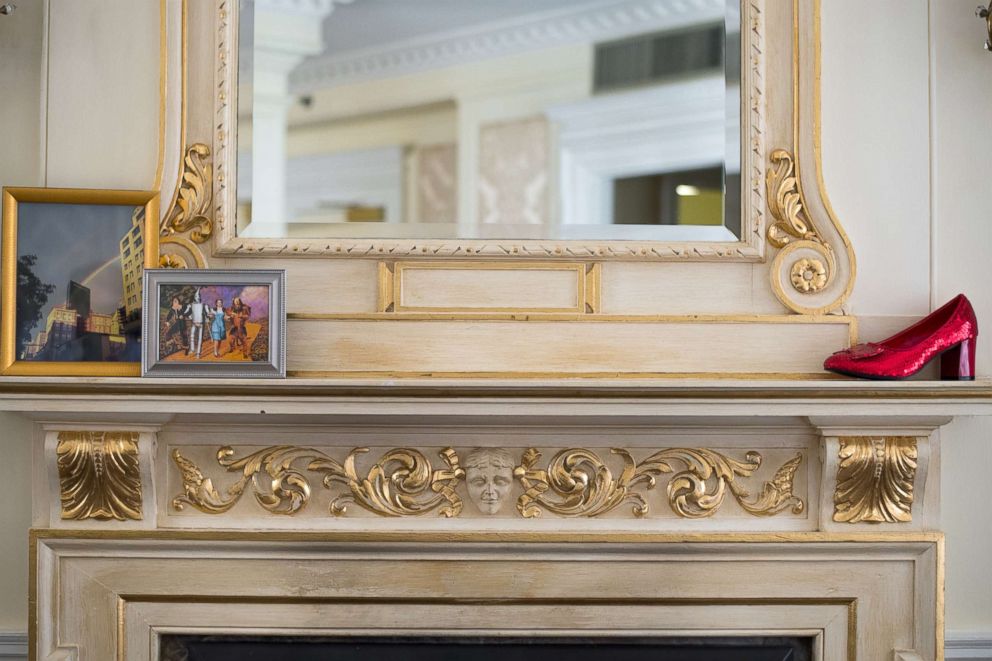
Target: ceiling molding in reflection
(319, 8)
(586, 23)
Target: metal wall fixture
(7, 9)
(986, 13)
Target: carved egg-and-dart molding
(576, 482)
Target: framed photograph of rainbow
(72, 263)
(220, 323)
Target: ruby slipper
(948, 332)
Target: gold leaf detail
(171, 261)
(581, 484)
(99, 475)
(191, 212)
(395, 486)
(875, 480)
(785, 202)
(808, 275)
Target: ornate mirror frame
(750, 247)
(809, 257)
(752, 307)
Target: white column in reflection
(285, 32)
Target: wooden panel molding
(470, 287)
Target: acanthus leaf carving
(99, 475)
(875, 480)
(394, 486)
(785, 201)
(191, 212)
(580, 483)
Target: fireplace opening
(491, 648)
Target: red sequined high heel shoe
(948, 332)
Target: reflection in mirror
(516, 119)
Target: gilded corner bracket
(99, 475)
(576, 482)
(806, 266)
(875, 480)
(188, 225)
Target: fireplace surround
(646, 510)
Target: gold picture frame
(10, 365)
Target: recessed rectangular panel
(488, 287)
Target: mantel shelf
(117, 398)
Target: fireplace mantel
(814, 488)
(104, 396)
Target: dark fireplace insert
(485, 648)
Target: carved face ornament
(489, 477)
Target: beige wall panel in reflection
(578, 347)
(103, 93)
(444, 287)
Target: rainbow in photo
(79, 280)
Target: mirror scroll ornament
(806, 261)
(188, 225)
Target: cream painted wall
(916, 205)
(22, 61)
(962, 243)
(877, 99)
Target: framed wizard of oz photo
(203, 322)
(71, 275)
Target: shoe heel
(958, 363)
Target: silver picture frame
(195, 280)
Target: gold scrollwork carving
(577, 482)
(172, 261)
(401, 483)
(581, 484)
(813, 263)
(396, 484)
(785, 201)
(875, 480)
(99, 475)
(191, 212)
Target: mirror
(475, 119)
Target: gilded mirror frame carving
(788, 226)
(750, 247)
